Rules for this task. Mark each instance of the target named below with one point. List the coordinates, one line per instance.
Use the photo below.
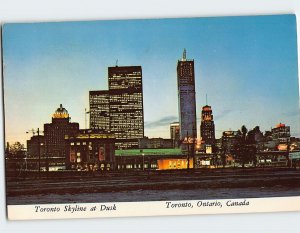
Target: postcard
(149, 117)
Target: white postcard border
(152, 208)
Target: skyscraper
(207, 127)
(119, 110)
(186, 97)
(99, 110)
(126, 105)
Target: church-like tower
(207, 127)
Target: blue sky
(246, 65)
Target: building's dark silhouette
(54, 135)
(122, 104)
(230, 139)
(207, 127)
(90, 150)
(186, 97)
(33, 147)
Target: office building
(126, 105)
(186, 97)
(281, 133)
(99, 110)
(36, 146)
(54, 135)
(90, 150)
(207, 127)
(230, 139)
(120, 109)
(175, 133)
(281, 136)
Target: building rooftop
(280, 125)
(61, 112)
(206, 108)
(148, 152)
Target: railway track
(152, 182)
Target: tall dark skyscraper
(126, 105)
(186, 97)
(119, 110)
(207, 128)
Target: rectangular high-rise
(186, 97)
(126, 105)
(119, 110)
(99, 110)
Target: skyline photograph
(173, 111)
(246, 66)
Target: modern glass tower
(126, 105)
(99, 110)
(186, 97)
(119, 110)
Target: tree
(245, 149)
(244, 131)
(254, 135)
(16, 150)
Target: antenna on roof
(117, 62)
(184, 55)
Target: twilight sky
(246, 65)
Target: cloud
(161, 122)
(223, 114)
